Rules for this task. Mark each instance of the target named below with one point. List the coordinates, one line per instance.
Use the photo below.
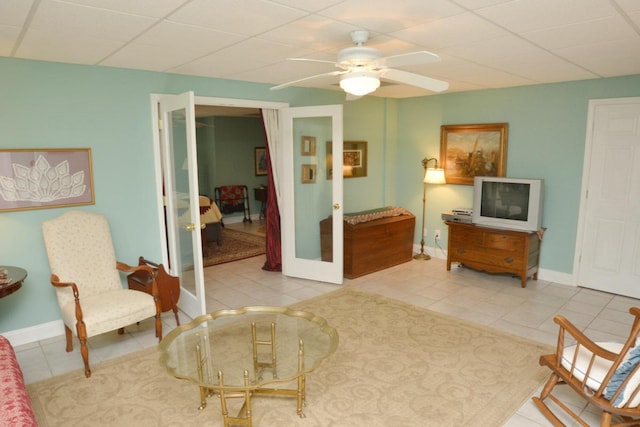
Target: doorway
(227, 139)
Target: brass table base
(247, 391)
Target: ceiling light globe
(360, 83)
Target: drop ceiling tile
(194, 39)
(389, 16)
(87, 22)
(152, 8)
(286, 71)
(599, 30)
(451, 69)
(606, 59)
(635, 17)
(531, 15)
(256, 50)
(310, 5)
(247, 17)
(542, 67)
(490, 49)
(8, 37)
(480, 4)
(217, 66)
(452, 31)
(14, 12)
(142, 56)
(399, 91)
(313, 32)
(629, 5)
(48, 46)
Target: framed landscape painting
(467, 151)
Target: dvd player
(455, 217)
(462, 211)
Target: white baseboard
(35, 333)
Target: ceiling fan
(361, 68)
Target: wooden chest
(494, 250)
(373, 245)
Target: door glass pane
(184, 234)
(313, 194)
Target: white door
(309, 193)
(608, 253)
(182, 210)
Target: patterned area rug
(396, 365)
(235, 245)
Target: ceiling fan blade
(283, 85)
(311, 60)
(412, 79)
(412, 58)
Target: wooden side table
(260, 194)
(17, 276)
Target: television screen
(507, 200)
(503, 202)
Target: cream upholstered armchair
(84, 272)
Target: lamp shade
(360, 83)
(434, 176)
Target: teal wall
(47, 105)
(547, 131)
(52, 105)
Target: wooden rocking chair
(606, 375)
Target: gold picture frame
(45, 178)
(354, 159)
(473, 150)
(309, 174)
(308, 146)
(260, 161)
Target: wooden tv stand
(494, 250)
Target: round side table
(17, 276)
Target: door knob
(336, 206)
(190, 227)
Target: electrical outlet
(436, 235)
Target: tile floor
(496, 301)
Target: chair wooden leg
(69, 336)
(159, 326)
(84, 349)
(605, 419)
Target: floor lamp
(431, 176)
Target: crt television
(512, 203)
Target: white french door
(608, 246)
(311, 191)
(182, 210)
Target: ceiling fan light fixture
(360, 83)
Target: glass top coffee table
(248, 352)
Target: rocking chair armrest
(126, 268)
(567, 327)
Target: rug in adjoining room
(235, 245)
(396, 365)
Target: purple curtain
(272, 218)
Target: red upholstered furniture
(233, 198)
(15, 404)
